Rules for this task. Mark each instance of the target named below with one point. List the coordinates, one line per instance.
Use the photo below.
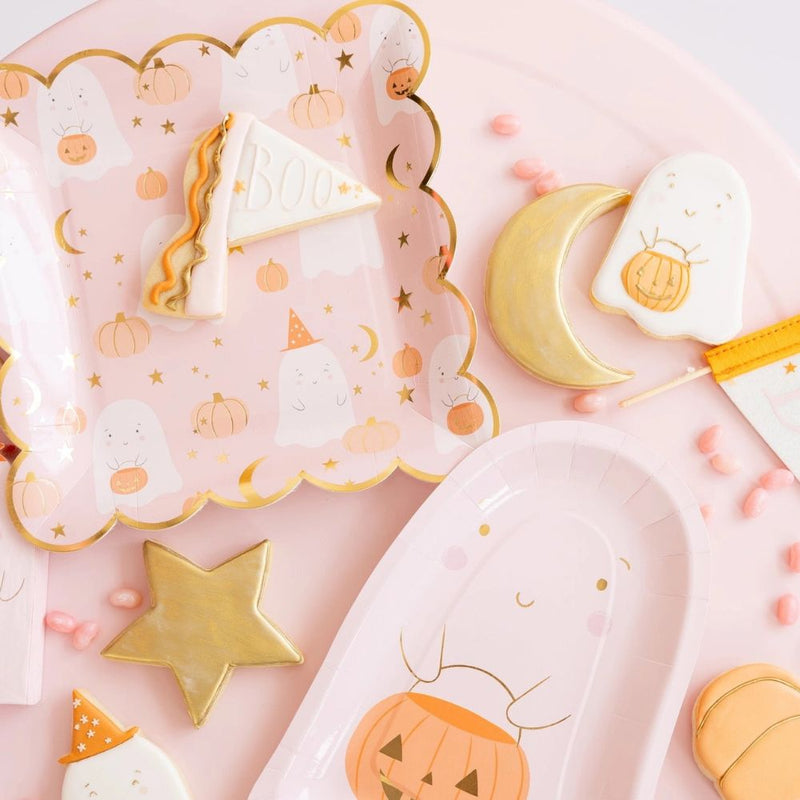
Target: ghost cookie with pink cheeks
(109, 763)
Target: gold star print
(298, 56)
(426, 317)
(216, 341)
(403, 238)
(94, 381)
(83, 232)
(344, 60)
(328, 309)
(223, 602)
(191, 455)
(169, 127)
(195, 369)
(344, 140)
(343, 188)
(10, 117)
(790, 367)
(87, 276)
(137, 122)
(65, 453)
(330, 464)
(16, 401)
(239, 187)
(262, 384)
(204, 50)
(403, 300)
(408, 166)
(357, 389)
(119, 258)
(58, 530)
(68, 359)
(236, 249)
(223, 458)
(72, 301)
(156, 377)
(414, 211)
(405, 394)
(353, 348)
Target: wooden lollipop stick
(665, 387)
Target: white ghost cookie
(677, 264)
(109, 763)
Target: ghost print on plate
(373, 376)
(678, 261)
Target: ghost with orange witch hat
(314, 402)
(107, 762)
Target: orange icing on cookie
(747, 733)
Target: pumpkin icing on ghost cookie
(677, 264)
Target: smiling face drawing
(133, 770)
(132, 462)
(678, 261)
(77, 130)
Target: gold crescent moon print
(61, 237)
(523, 287)
(373, 342)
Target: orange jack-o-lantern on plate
(656, 281)
(128, 480)
(400, 83)
(77, 149)
(415, 745)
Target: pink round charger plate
(601, 100)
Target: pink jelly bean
(549, 182)
(60, 621)
(589, 402)
(707, 511)
(793, 557)
(529, 168)
(506, 124)
(84, 635)
(726, 464)
(755, 503)
(710, 439)
(788, 609)
(778, 478)
(125, 598)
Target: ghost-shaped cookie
(677, 264)
(131, 458)
(261, 79)
(314, 401)
(397, 50)
(78, 134)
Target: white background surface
(750, 44)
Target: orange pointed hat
(298, 333)
(93, 731)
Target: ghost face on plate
(77, 130)
(133, 770)
(131, 458)
(261, 79)
(397, 49)
(677, 264)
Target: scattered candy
(506, 124)
(709, 439)
(755, 503)
(707, 511)
(778, 478)
(125, 598)
(788, 609)
(793, 557)
(589, 402)
(726, 464)
(529, 168)
(549, 182)
(60, 621)
(84, 635)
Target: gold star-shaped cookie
(204, 622)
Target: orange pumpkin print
(465, 418)
(414, 745)
(163, 84)
(372, 437)
(13, 84)
(400, 83)
(407, 362)
(435, 268)
(219, 417)
(34, 497)
(71, 420)
(122, 337)
(77, 149)
(347, 28)
(151, 185)
(272, 277)
(316, 108)
(128, 480)
(657, 281)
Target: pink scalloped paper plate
(122, 414)
(554, 593)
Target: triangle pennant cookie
(244, 181)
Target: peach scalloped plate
(123, 415)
